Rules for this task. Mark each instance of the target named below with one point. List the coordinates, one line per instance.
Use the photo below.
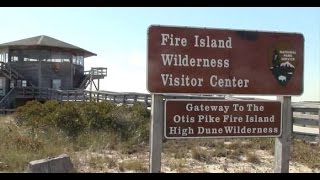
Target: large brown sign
(198, 118)
(220, 61)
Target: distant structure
(43, 62)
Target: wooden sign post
(156, 133)
(282, 143)
(190, 60)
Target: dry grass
(178, 165)
(101, 162)
(253, 158)
(219, 152)
(21, 144)
(262, 143)
(234, 145)
(133, 165)
(201, 155)
(305, 153)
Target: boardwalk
(306, 120)
(306, 116)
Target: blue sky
(119, 35)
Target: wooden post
(90, 82)
(156, 133)
(124, 99)
(319, 125)
(282, 143)
(146, 100)
(75, 95)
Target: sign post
(282, 143)
(156, 133)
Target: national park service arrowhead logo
(283, 60)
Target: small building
(45, 63)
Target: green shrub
(139, 110)
(127, 122)
(97, 114)
(49, 111)
(30, 114)
(70, 120)
(37, 115)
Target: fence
(306, 121)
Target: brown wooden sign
(220, 61)
(198, 118)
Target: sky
(119, 35)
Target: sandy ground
(84, 163)
(189, 165)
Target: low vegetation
(178, 165)
(40, 130)
(306, 153)
(133, 165)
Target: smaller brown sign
(185, 118)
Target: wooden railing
(85, 81)
(97, 96)
(92, 74)
(118, 98)
(306, 122)
(11, 73)
(306, 119)
(7, 99)
(47, 93)
(97, 72)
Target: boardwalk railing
(7, 99)
(47, 93)
(306, 118)
(96, 72)
(306, 122)
(97, 96)
(119, 98)
(11, 73)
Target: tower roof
(46, 41)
